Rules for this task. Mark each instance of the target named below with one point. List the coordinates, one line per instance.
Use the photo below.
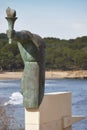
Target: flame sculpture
(11, 18)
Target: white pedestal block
(54, 113)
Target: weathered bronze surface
(32, 50)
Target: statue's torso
(28, 52)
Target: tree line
(60, 54)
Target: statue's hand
(11, 18)
(10, 34)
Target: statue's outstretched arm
(22, 36)
(26, 37)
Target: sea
(11, 106)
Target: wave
(15, 99)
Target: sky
(64, 19)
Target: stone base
(54, 113)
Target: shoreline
(74, 74)
(79, 74)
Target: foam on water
(15, 99)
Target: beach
(48, 74)
(66, 74)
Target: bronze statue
(32, 50)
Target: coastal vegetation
(60, 54)
(66, 54)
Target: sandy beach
(48, 74)
(66, 74)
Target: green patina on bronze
(32, 50)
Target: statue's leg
(30, 85)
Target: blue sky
(64, 19)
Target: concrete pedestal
(54, 113)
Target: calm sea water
(11, 99)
